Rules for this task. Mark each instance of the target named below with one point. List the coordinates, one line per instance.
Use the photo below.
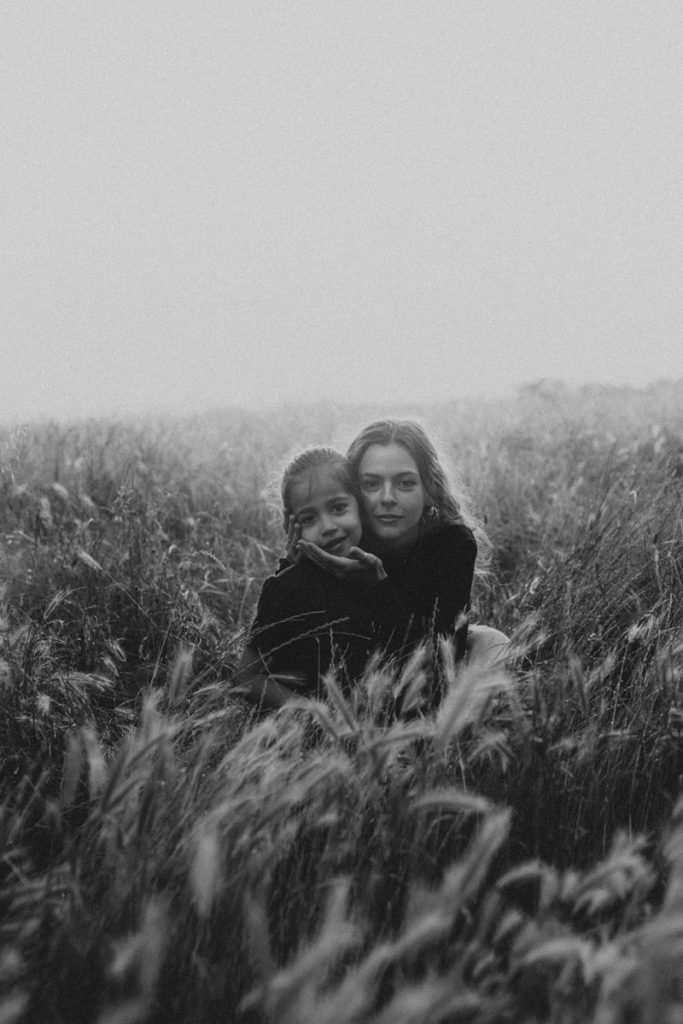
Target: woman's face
(393, 495)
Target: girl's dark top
(307, 620)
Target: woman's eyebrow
(378, 476)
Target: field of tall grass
(167, 855)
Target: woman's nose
(388, 495)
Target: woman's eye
(370, 485)
(340, 508)
(406, 485)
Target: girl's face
(393, 494)
(327, 514)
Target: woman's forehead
(387, 460)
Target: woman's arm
(359, 565)
(258, 686)
(453, 556)
(450, 564)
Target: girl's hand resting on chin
(292, 551)
(358, 564)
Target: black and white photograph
(341, 512)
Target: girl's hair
(306, 462)
(449, 502)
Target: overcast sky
(210, 202)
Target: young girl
(307, 620)
(423, 533)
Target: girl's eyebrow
(342, 496)
(304, 508)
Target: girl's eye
(304, 520)
(340, 508)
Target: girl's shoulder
(288, 593)
(291, 580)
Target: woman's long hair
(448, 499)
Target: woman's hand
(358, 564)
(292, 551)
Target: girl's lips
(335, 544)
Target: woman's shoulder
(450, 536)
